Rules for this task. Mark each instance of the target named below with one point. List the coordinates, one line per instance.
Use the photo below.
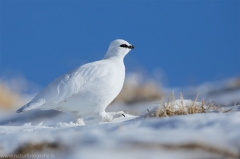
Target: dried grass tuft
(183, 107)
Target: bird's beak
(131, 47)
(123, 115)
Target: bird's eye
(124, 45)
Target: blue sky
(191, 42)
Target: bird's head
(119, 48)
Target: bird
(87, 90)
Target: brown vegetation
(183, 107)
(8, 98)
(133, 93)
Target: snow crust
(133, 137)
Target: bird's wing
(67, 85)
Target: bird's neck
(116, 54)
(114, 57)
(117, 60)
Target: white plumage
(87, 90)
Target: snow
(205, 135)
(209, 134)
(225, 92)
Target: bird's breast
(97, 93)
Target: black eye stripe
(127, 46)
(124, 45)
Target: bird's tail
(31, 105)
(22, 109)
(19, 110)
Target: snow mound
(210, 135)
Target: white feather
(88, 89)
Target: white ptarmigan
(87, 90)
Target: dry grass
(204, 147)
(131, 93)
(35, 149)
(29, 148)
(192, 147)
(8, 98)
(183, 107)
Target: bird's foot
(79, 121)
